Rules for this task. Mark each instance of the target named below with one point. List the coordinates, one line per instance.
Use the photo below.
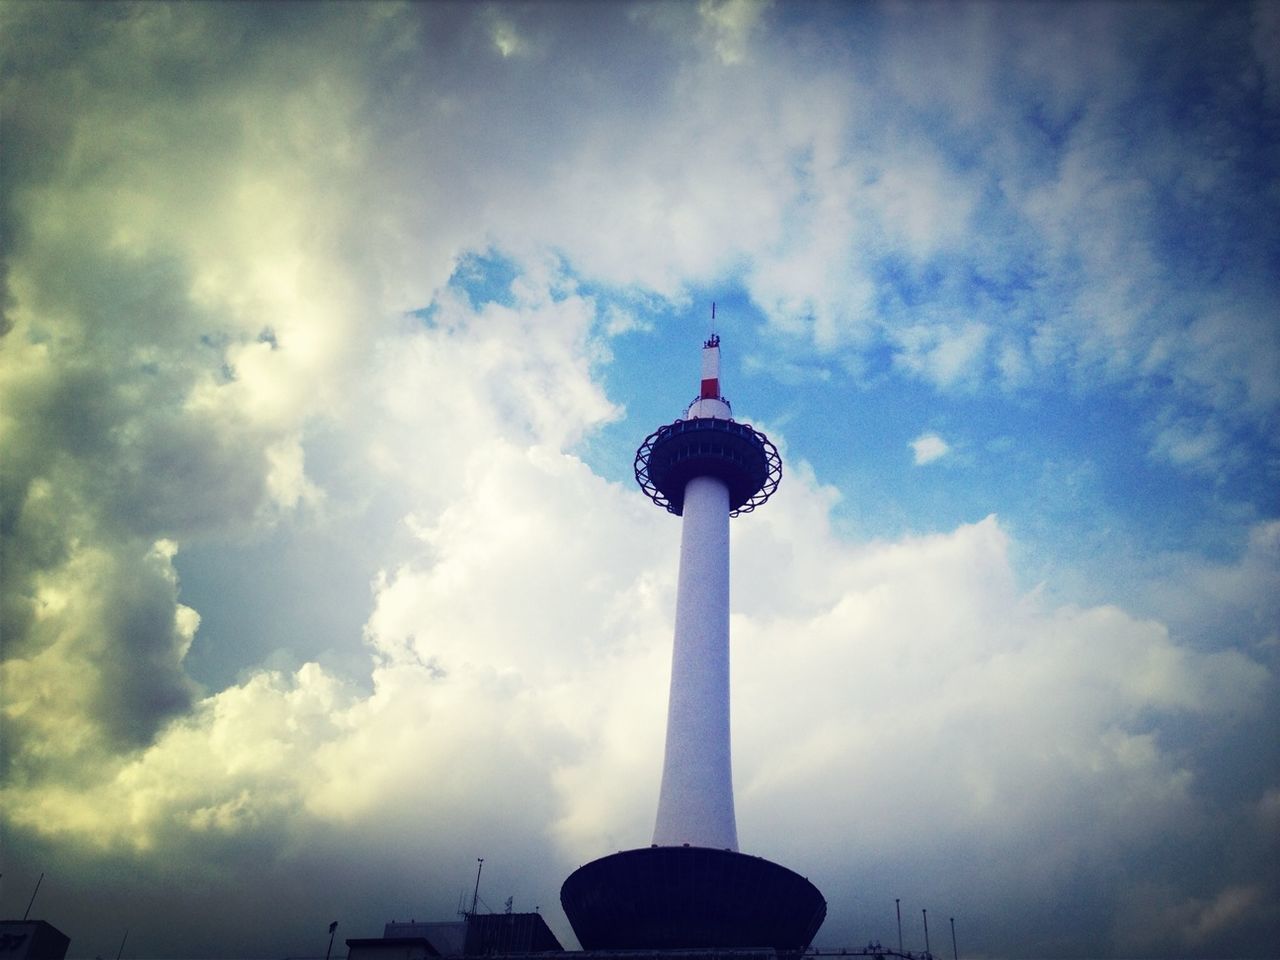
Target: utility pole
(33, 896)
(475, 897)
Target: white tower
(692, 889)
(706, 468)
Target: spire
(711, 369)
(709, 402)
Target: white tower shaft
(695, 805)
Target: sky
(329, 334)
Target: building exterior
(31, 940)
(390, 948)
(477, 935)
(692, 888)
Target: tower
(705, 468)
(692, 888)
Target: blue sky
(329, 334)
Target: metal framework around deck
(736, 453)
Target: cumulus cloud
(494, 667)
(94, 664)
(157, 389)
(929, 447)
(237, 248)
(731, 22)
(1158, 918)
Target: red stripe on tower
(711, 369)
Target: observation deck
(736, 453)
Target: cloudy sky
(329, 335)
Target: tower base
(663, 898)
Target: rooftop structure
(32, 939)
(477, 935)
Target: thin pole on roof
(476, 896)
(33, 895)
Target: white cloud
(1159, 918)
(942, 354)
(1196, 446)
(731, 23)
(211, 272)
(929, 447)
(1222, 603)
(522, 645)
(922, 204)
(505, 34)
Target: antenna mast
(33, 896)
(476, 896)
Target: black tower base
(665, 898)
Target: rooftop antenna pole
(332, 927)
(33, 896)
(897, 905)
(927, 953)
(476, 896)
(955, 952)
(122, 940)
